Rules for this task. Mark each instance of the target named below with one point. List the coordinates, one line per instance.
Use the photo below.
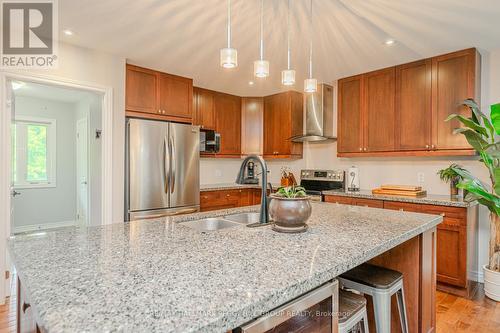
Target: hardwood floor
(8, 311)
(454, 314)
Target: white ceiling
(184, 36)
(53, 93)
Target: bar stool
(352, 312)
(380, 283)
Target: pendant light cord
(288, 36)
(228, 24)
(261, 29)
(311, 40)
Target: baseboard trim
(477, 276)
(43, 226)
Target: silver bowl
(290, 214)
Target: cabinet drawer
(338, 199)
(368, 203)
(452, 215)
(404, 206)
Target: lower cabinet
(225, 199)
(456, 253)
(25, 320)
(354, 201)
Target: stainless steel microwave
(209, 141)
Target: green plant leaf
(474, 107)
(493, 150)
(473, 138)
(469, 123)
(476, 187)
(495, 117)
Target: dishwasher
(314, 312)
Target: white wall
(98, 68)
(56, 204)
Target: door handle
(172, 165)
(166, 162)
(15, 193)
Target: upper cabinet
(378, 123)
(350, 120)
(455, 77)
(228, 123)
(140, 90)
(413, 105)
(401, 111)
(283, 118)
(204, 108)
(152, 94)
(252, 125)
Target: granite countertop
(161, 276)
(231, 186)
(429, 199)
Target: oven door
(315, 312)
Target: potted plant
(449, 175)
(289, 209)
(480, 132)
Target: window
(34, 152)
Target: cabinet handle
(228, 195)
(442, 214)
(427, 146)
(433, 147)
(360, 149)
(159, 111)
(401, 210)
(365, 149)
(25, 307)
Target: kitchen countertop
(231, 186)
(161, 276)
(429, 199)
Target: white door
(82, 205)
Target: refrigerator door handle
(172, 164)
(166, 164)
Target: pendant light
(310, 84)
(228, 55)
(288, 75)
(261, 66)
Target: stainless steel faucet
(264, 213)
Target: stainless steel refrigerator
(162, 169)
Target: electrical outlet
(420, 177)
(218, 173)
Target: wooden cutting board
(399, 192)
(401, 187)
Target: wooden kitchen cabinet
(204, 108)
(379, 101)
(156, 95)
(455, 77)
(224, 199)
(252, 125)
(350, 126)
(140, 90)
(175, 95)
(456, 244)
(283, 118)
(401, 110)
(413, 105)
(354, 201)
(228, 124)
(24, 314)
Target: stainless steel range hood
(319, 118)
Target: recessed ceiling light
(68, 32)
(251, 83)
(389, 42)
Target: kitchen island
(161, 276)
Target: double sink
(218, 223)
